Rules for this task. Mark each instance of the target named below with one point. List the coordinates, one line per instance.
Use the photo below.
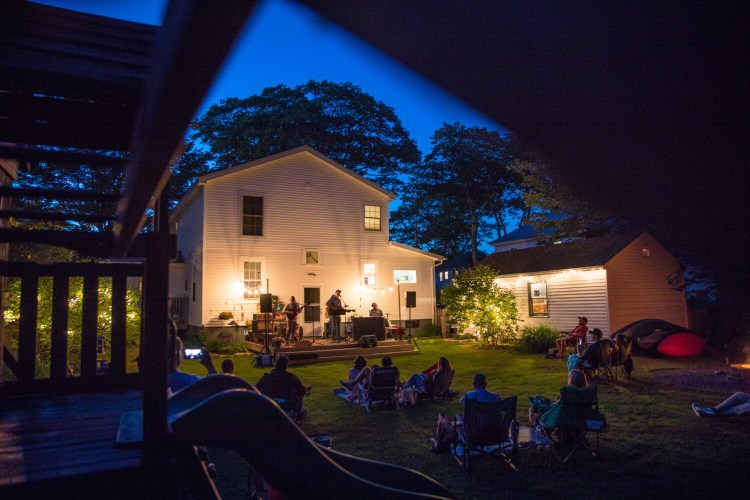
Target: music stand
(409, 336)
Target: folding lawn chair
(443, 389)
(621, 360)
(487, 428)
(572, 419)
(382, 387)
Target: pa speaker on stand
(411, 302)
(266, 307)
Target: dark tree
(339, 120)
(464, 181)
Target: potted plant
(226, 315)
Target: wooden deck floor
(48, 438)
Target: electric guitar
(292, 315)
(337, 311)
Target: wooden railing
(25, 365)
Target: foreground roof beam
(190, 49)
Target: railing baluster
(119, 311)
(88, 326)
(59, 347)
(27, 329)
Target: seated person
(437, 375)
(572, 338)
(624, 346)
(480, 392)
(736, 404)
(359, 383)
(286, 388)
(540, 404)
(227, 367)
(598, 353)
(176, 379)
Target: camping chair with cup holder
(442, 390)
(487, 428)
(595, 359)
(570, 422)
(621, 360)
(382, 386)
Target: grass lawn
(655, 446)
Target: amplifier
(368, 341)
(368, 326)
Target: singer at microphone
(334, 310)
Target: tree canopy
(338, 119)
(464, 180)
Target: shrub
(537, 339)
(431, 330)
(224, 315)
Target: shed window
(251, 279)
(538, 302)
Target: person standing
(335, 308)
(291, 310)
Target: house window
(252, 216)
(403, 276)
(538, 303)
(312, 256)
(645, 251)
(369, 271)
(372, 217)
(251, 279)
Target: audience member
(572, 338)
(284, 387)
(480, 392)
(176, 379)
(437, 375)
(227, 366)
(736, 404)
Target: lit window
(402, 276)
(368, 274)
(538, 304)
(645, 250)
(252, 216)
(372, 218)
(251, 279)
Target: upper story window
(372, 217)
(538, 302)
(252, 216)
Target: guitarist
(334, 309)
(291, 310)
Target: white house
(612, 281)
(295, 223)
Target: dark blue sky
(287, 43)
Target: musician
(375, 311)
(291, 310)
(335, 307)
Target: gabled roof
(520, 234)
(198, 186)
(415, 250)
(461, 261)
(575, 254)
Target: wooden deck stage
(324, 350)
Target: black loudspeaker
(411, 299)
(368, 341)
(266, 303)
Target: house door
(311, 313)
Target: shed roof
(573, 255)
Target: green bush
(537, 339)
(431, 330)
(225, 315)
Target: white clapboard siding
(309, 202)
(639, 284)
(571, 293)
(189, 228)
